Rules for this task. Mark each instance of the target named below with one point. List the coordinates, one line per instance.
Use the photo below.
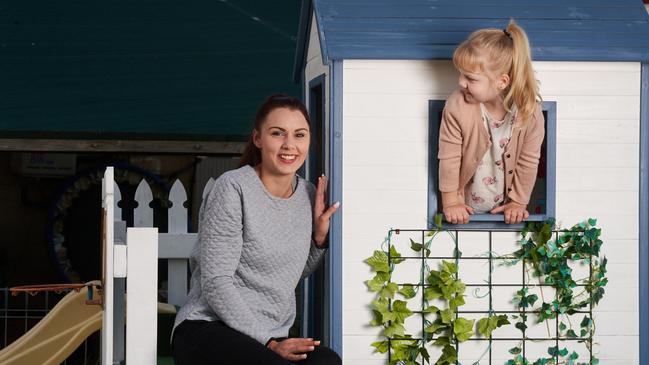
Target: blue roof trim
(324, 50)
(302, 41)
(596, 30)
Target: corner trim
(336, 195)
(644, 215)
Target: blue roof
(559, 30)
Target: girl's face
(478, 87)
(283, 140)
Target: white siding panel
(599, 131)
(597, 155)
(595, 179)
(385, 130)
(368, 153)
(385, 165)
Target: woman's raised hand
(322, 217)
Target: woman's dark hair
(252, 155)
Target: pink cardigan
(463, 141)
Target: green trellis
(545, 253)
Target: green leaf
(430, 309)
(446, 315)
(376, 283)
(515, 350)
(488, 324)
(463, 329)
(442, 341)
(381, 346)
(432, 292)
(438, 220)
(394, 329)
(389, 290)
(400, 310)
(418, 247)
(395, 256)
(408, 291)
(449, 267)
(378, 318)
(449, 356)
(378, 261)
(436, 327)
(456, 302)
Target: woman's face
(283, 140)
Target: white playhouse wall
(385, 174)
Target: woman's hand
(458, 213)
(321, 217)
(514, 212)
(293, 349)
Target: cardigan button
(511, 172)
(509, 189)
(508, 155)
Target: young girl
(262, 228)
(492, 128)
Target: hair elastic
(509, 35)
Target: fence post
(142, 293)
(177, 267)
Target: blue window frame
(542, 201)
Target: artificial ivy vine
(545, 253)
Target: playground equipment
(57, 335)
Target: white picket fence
(177, 243)
(130, 269)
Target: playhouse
(375, 76)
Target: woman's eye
(301, 135)
(276, 133)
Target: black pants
(214, 343)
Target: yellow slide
(57, 335)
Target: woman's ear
(256, 138)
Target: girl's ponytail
(523, 90)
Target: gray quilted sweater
(253, 248)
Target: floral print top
(486, 188)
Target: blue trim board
(315, 127)
(336, 195)
(488, 221)
(644, 216)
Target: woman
(262, 229)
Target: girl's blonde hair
(503, 51)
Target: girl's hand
(458, 213)
(321, 217)
(514, 212)
(293, 349)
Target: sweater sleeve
(528, 161)
(450, 153)
(220, 238)
(315, 255)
